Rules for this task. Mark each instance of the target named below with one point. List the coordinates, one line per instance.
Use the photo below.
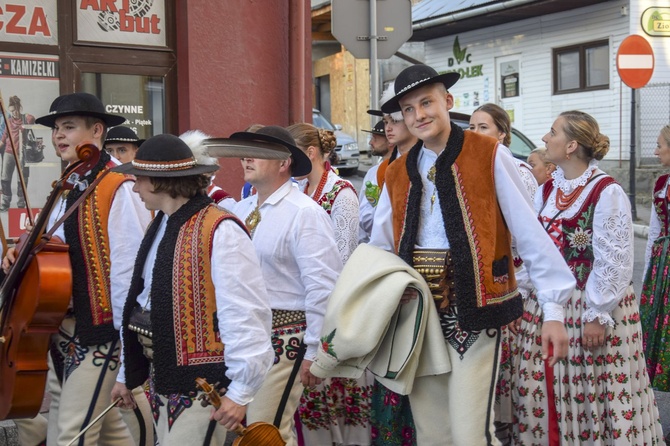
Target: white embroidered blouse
(611, 236)
(343, 215)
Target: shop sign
(28, 21)
(139, 22)
(509, 79)
(462, 55)
(30, 81)
(656, 21)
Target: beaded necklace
(564, 201)
(319, 188)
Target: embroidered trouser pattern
(286, 342)
(82, 390)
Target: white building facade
(527, 67)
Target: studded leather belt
(437, 268)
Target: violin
(34, 298)
(259, 433)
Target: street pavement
(8, 435)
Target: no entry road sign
(635, 61)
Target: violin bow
(104, 412)
(19, 170)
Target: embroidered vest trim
(86, 231)
(661, 205)
(186, 341)
(576, 239)
(478, 236)
(326, 201)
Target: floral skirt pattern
(603, 398)
(655, 315)
(391, 418)
(337, 411)
(503, 403)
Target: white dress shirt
(548, 271)
(366, 211)
(299, 259)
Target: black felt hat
(79, 104)
(164, 156)
(415, 77)
(281, 138)
(378, 129)
(376, 113)
(123, 134)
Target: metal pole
(631, 193)
(374, 77)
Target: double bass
(34, 297)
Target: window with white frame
(582, 67)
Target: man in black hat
(103, 235)
(368, 196)
(449, 208)
(300, 262)
(218, 301)
(122, 143)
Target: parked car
(520, 147)
(346, 155)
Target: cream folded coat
(366, 327)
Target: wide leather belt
(437, 268)
(282, 318)
(140, 323)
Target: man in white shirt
(300, 262)
(452, 204)
(180, 314)
(368, 196)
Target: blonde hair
(542, 153)
(584, 129)
(665, 134)
(306, 135)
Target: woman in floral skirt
(654, 306)
(338, 410)
(601, 394)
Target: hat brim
(111, 120)
(199, 169)
(137, 142)
(393, 104)
(234, 148)
(301, 164)
(376, 113)
(374, 132)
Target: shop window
(139, 98)
(582, 67)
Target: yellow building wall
(349, 92)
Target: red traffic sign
(635, 61)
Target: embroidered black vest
(181, 290)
